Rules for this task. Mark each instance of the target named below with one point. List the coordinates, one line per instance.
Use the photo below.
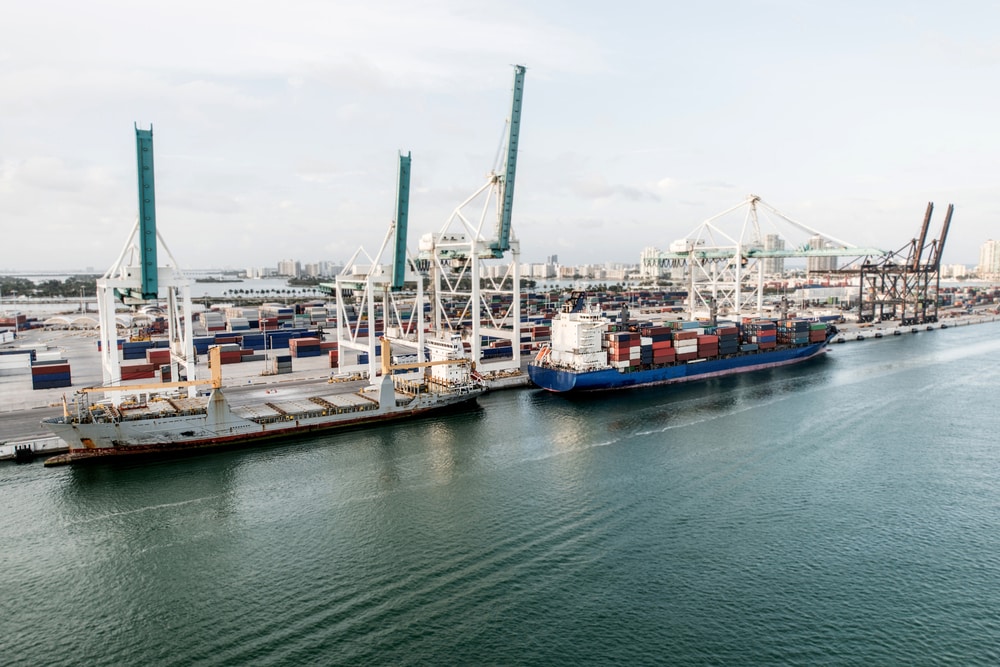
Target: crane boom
(402, 213)
(944, 235)
(918, 250)
(214, 360)
(388, 366)
(502, 243)
(149, 285)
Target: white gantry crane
(725, 264)
(367, 292)
(136, 278)
(473, 261)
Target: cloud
(597, 188)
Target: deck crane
(367, 291)
(469, 295)
(136, 278)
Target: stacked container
(304, 347)
(50, 374)
(16, 362)
(708, 346)
(817, 332)
(282, 364)
(661, 344)
(132, 350)
(762, 333)
(729, 339)
(793, 332)
(237, 324)
(212, 320)
(624, 350)
(158, 356)
(138, 371)
(686, 344)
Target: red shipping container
(687, 356)
(50, 369)
(158, 356)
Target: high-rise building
(989, 260)
(774, 265)
(820, 264)
(648, 265)
(289, 267)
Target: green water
(843, 512)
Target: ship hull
(195, 433)
(562, 380)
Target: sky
(277, 126)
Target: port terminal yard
(22, 409)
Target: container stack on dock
(332, 350)
(230, 353)
(50, 374)
(304, 347)
(158, 356)
(142, 371)
(212, 320)
(16, 362)
(17, 321)
(282, 364)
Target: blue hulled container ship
(591, 352)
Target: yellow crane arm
(214, 361)
(388, 367)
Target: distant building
(649, 266)
(820, 264)
(954, 270)
(774, 265)
(989, 260)
(289, 267)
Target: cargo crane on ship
(136, 278)
(903, 284)
(460, 258)
(725, 267)
(396, 294)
